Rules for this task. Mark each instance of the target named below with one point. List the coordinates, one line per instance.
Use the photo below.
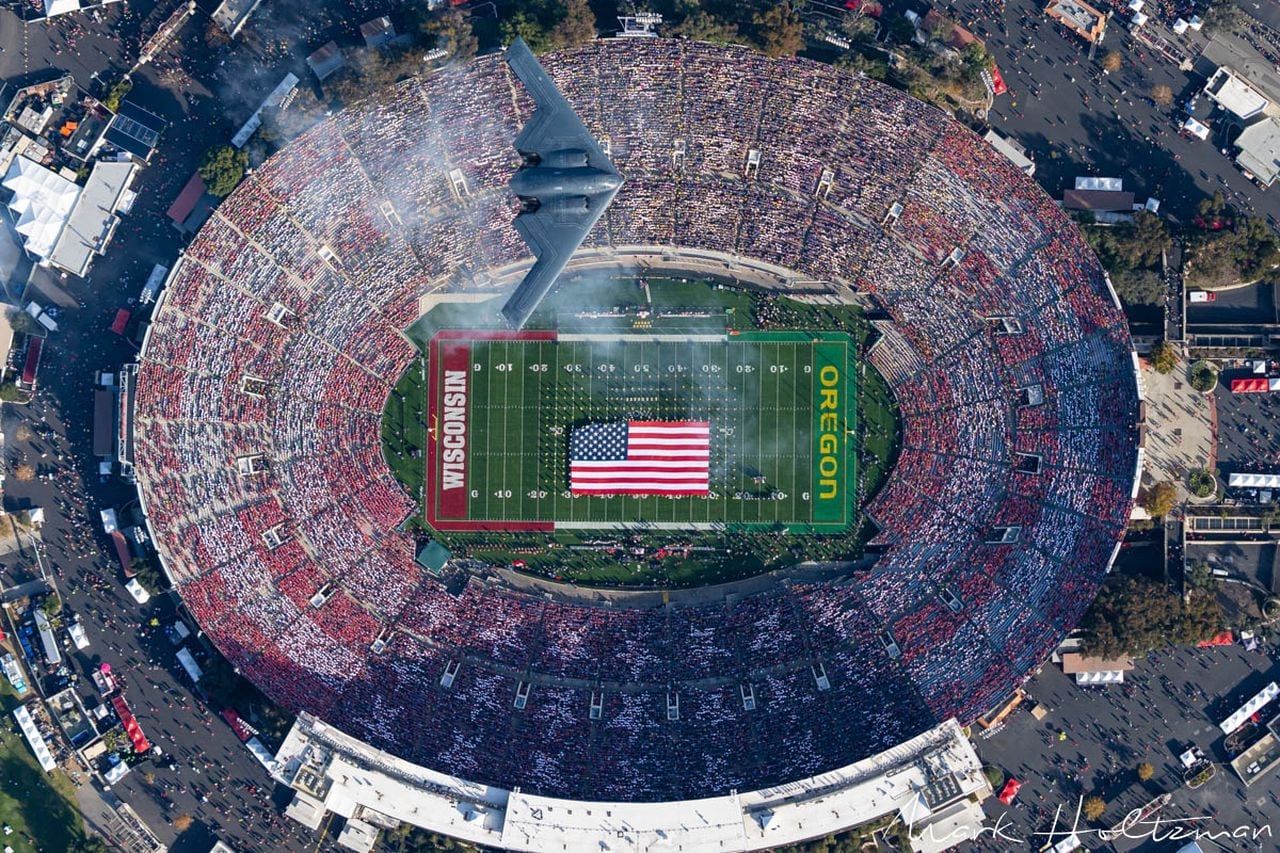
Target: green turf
(404, 429)
(41, 807)
(581, 555)
(758, 390)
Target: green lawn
(404, 430)
(41, 807)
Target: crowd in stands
(277, 342)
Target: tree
(117, 93)
(523, 25)
(1148, 240)
(22, 322)
(577, 27)
(703, 26)
(876, 69)
(89, 844)
(995, 776)
(451, 31)
(1138, 287)
(858, 27)
(9, 392)
(182, 823)
(1094, 807)
(1112, 61)
(1202, 483)
(901, 30)
(146, 573)
(220, 681)
(1199, 575)
(52, 605)
(1146, 771)
(215, 36)
(1162, 94)
(974, 60)
(780, 30)
(1223, 15)
(222, 169)
(1160, 498)
(1134, 615)
(24, 473)
(1164, 357)
(22, 433)
(1214, 205)
(1247, 251)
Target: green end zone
(501, 405)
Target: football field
(502, 406)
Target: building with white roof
(1235, 94)
(932, 780)
(1259, 151)
(94, 218)
(41, 204)
(64, 225)
(1011, 149)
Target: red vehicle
(998, 85)
(1009, 791)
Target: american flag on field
(640, 458)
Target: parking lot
(1092, 740)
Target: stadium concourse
(278, 338)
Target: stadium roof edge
(345, 774)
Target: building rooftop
(921, 779)
(1078, 16)
(135, 130)
(1074, 662)
(326, 60)
(41, 204)
(93, 221)
(1097, 200)
(1235, 94)
(1259, 150)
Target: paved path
(1179, 428)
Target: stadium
(280, 335)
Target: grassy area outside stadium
(780, 406)
(646, 556)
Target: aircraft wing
(553, 238)
(554, 124)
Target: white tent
(41, 203)
(1115, 676)
(1254, 481)
(1262, 699)
(1196, 129)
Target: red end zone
(448, 392)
